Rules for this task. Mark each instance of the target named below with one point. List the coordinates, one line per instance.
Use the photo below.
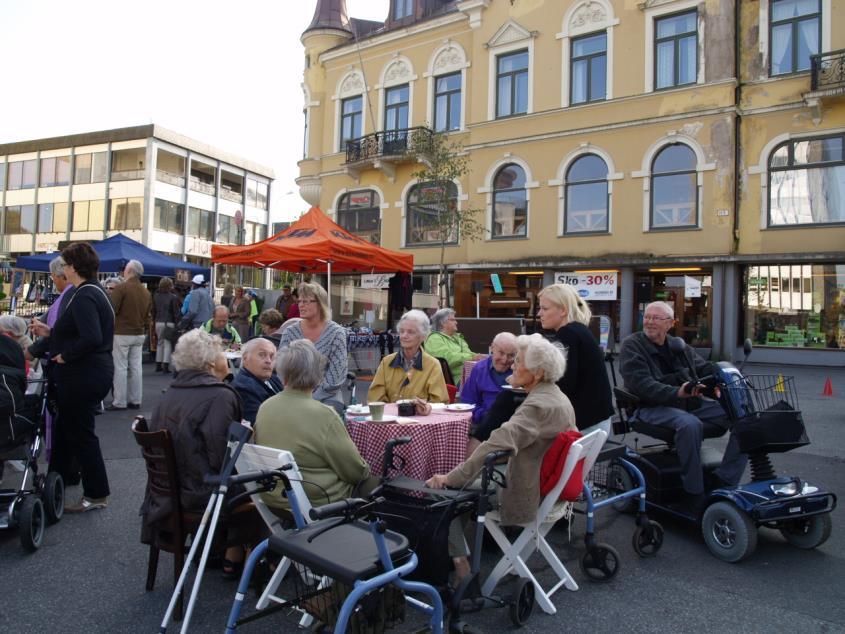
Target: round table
(438, 441)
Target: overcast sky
(224, 73)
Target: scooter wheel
(728, 532)
(809, 532)
(31, 523)
(600, 563)
(648, 539)
(619, 480)
(522, 604)
(53, 496)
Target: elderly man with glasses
(659, 377)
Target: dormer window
(402, 9)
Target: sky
(224, 73)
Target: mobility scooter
(766, 419)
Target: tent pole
(329, 284)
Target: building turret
(330, 15)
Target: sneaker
(134, 405)
(114, 408)
(87, 504)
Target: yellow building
(685, 150)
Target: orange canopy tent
(315, 244)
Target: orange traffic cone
(828, 388)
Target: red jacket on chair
(552, 468)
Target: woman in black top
(585, 381)
(82, 369)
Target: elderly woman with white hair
(411, 372)
(447, 343)
(313, 432)
(544, 414)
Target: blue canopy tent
(114, 253)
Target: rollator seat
(345, 553)
(665, 434)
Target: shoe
(716, 482)
(87, 504)
(134, 406)
(232, 569)
(165, 368)
(695, 504)
(158, 367)
(114, 408)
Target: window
(170, 168)
(676, 50)
(586, 196)
(256, 193)
(805, 314)
(512, 84)
(55, 171)
(589, 68)
(807, 182)
(305, 132)
(227, 229)
(90, 168)
(168, 216)
(402, 9)
(89, 215)
(396, 108)
(128, 165)
(2, 176)
(52, 218)
(426, 204)
(20, 219)
(202, 178)
(510, 203)
(447, 102)
(360, 213)
(795, 35)
(231, 186)
(200, 223)
(674, 191)
(22, 174)
(125, 213)
(350, 119)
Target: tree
(442, 164)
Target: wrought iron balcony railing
(389, 143)
(828, 70)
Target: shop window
(587, 196)
(510, 203)
(807, 182)
(360, 213)
(795, 305)
(674, 190)
(794, 33)
(428, 210)
(676, 50)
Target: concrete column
(717, 307)
(731, 311)
(626, 302)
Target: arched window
(510, 202)
(586, 196)
(360, 213)
(430, 214)
(807, 182)
(674, 188)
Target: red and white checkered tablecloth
(466, 370)
(438, 442)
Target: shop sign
(182, 275)
(376, 280)
(600, 285)
(692, 287)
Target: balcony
(168, 177)
(200, 186)
(128, 175)
(827, 81)
(384, 150)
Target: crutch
(238, 434)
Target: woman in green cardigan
(446, 342)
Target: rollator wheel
(728, 532)
(31, 522)
(619, 480)
(53, 496)
(648, 539)
(600, 563)
(809, 532)
(522, 604)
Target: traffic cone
(779, 384)
(828, 388)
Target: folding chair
(258, 458)
(533, 535)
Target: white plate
(405, 420)
(357, 410)
(387, 418)
(460, 407)
(436, 407)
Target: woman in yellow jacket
(411, 372)
(447, 343)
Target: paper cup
(376, 410)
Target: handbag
(171, 334)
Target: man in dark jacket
(255, 382)
(660, 378)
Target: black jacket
(644, 375)
(585, 381)
(254, 392)
(12, 386)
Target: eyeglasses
(655, 318)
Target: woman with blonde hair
(327, 336)
(585, 382)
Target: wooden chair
(447, 371)
(172, 532)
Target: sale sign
(600, 285)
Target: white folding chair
(257, 458)
(533, 535)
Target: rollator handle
(336, 508)
(388, 453)
(494, 456)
